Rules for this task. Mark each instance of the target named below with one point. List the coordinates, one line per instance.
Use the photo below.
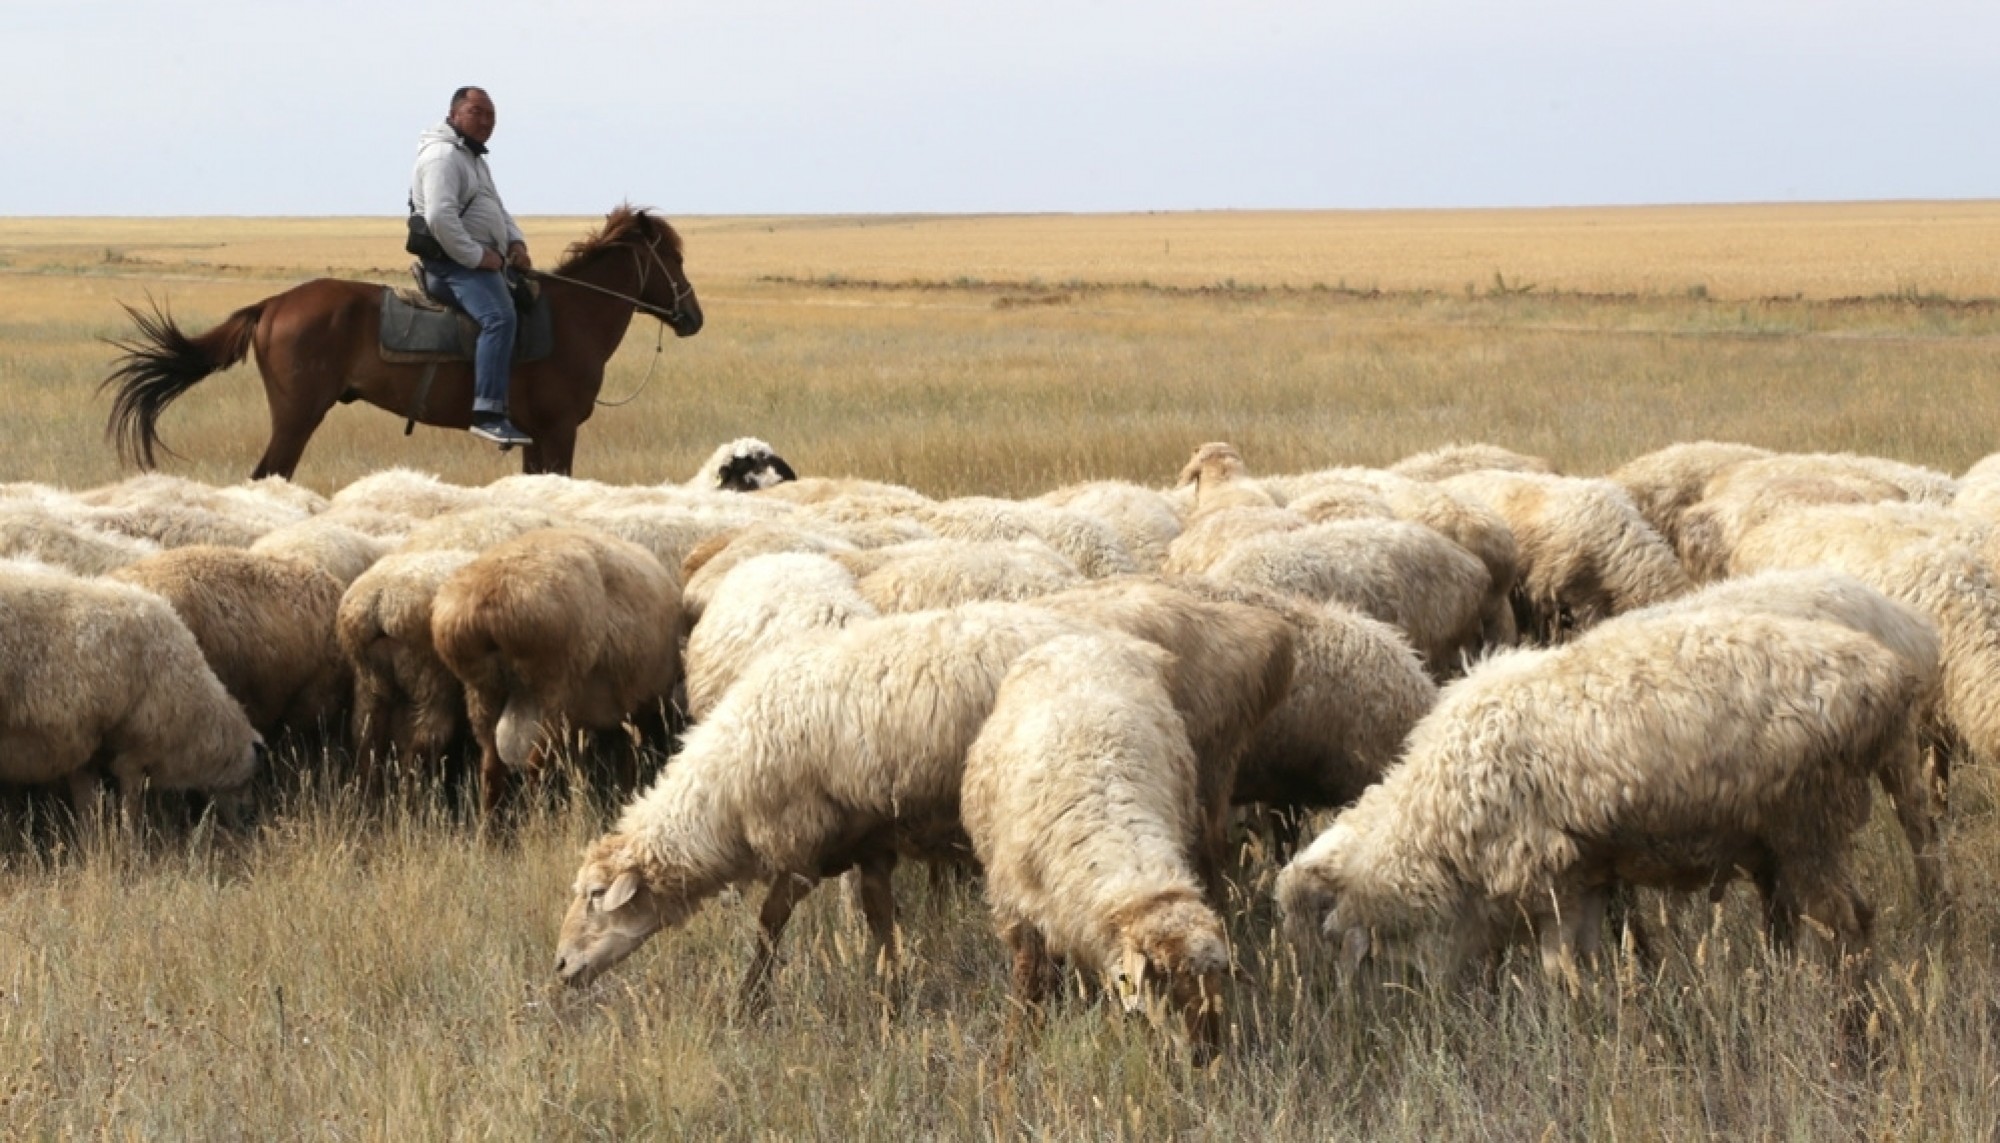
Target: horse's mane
(625, 221)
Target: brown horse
(317, 345)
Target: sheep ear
(621, 891)
(1353, 949)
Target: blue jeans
(483, 294)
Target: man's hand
(517, 256)
(488, 260)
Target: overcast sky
(133, 107)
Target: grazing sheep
(672, 534)
(945, 573)
(172, 525)
(1463, 520)
(266, 626)
(1089, 544)
(1210, 537)
(835, 755)
(745, 464)
(328, 544)
(257, 507)
(32, 530)
(1939, 575)
(560, 625)
(1232, 666)
(102, 676)
(1829, 596)
(1666, 482)
(1668, 752)
(820, 489)
(1584, 551)
(1357, 689)
(1143, 519)
(713, 559)
(407, 493)
(1404, 574)
(1711, 528)
(1221, 481)
(477, 528)
(406, 701)
(765, 603)
(1459, 459)
(1079, 798)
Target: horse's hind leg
(292, 425)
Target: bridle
(683, 289)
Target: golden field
(351, 971)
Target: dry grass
(342, 971)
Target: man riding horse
(452, 189)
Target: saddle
(418, 328)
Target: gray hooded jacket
(449, 179)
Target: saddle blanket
(417, 330)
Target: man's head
(472, 114)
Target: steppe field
(348, 969)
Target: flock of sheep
(1530, 692)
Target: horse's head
(663, 280)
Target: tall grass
(344, 969)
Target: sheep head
(1212, 461)
(618, 903)
(1172, 948)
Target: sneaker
(497, 428)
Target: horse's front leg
(552, 452)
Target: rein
(682, 290)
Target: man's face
(474, 117)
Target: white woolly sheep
(1463, 520)
(1404, 574)
(745, 464)
(945, 573)
(1584, 552)
(1940, 576)
(1357, 689)
(407, 493)
(820, 489)
(833, 756)
(564, 625)
(711, 561)
(1232, 666)
(1089, 544)
(1459, 459)
(102, 675)
(328, 544)
(1221, 481)
(1210, 537)
(1830, 596)
(764, 603)
(406, 701)
(1669, 752)
(32, 530)
(1079, 798)
(476, 528)
(265, 624)
(1666, 482)
(1143, 519)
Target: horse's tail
(159, 365)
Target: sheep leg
(878, 908)
(784, 894)
(1034, 978)
(1902, 778)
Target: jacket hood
(442, 133)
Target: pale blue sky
(131, 107)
